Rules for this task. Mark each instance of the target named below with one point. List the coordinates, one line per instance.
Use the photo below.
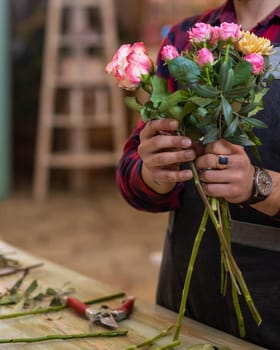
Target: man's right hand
(162, 152)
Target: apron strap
(255, 235)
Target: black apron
(259, 264)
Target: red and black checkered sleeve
(131, 185)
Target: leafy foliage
(31, 296)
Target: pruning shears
(104, 317)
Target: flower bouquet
(220, 81)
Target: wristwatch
(262, 186)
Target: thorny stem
(60, 307)
(185, 292)
(63, 337)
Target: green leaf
(9, 299)
(145, 114)
(269, 78)
(16, 286)
(33, 285)
(133, 103)
(200, 101)
(193, 133)
(145, 78)
(39, 297)
(192, 120)
(242, 73)
(258, 98)
(226, 76)
(242, 140)
(163, 106)
(211, 135)
(177, 97)
(184, 70)
(202, 112)
(189, 107)
(177, 112)
(205, 91)
(51, 291)
(232, 128)
(238, 92)
(227, 111)
(247, 108)
(159, 89)
(229, 81)
(255, 122)
(209, 120)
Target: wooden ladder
(80, 39)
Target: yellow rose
(250, 43)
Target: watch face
(264, 182)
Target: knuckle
(160, 158)
(170, 177)
(156, 142)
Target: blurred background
(62, 126)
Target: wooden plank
(82, 160)
(63, 121)
(146, 320)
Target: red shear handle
(77, 305)
(127, 306)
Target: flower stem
(227, 52)
(59, 307)
(185, 292)
(238, 312)
(233, 269)
(63, 337)
(170, 346)
(151, 341)
(209, 83)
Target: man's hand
(232, 181)
(162, 152)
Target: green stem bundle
(222, 227)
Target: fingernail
(186, 142)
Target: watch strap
(256, 196)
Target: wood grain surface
(146, 321)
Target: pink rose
(204, 56)
(230, 31)
(257, 62)
(169, 52)
(128, 65)
(200, 32)
(215, 35)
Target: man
(150, 179)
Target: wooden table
(146, 321)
